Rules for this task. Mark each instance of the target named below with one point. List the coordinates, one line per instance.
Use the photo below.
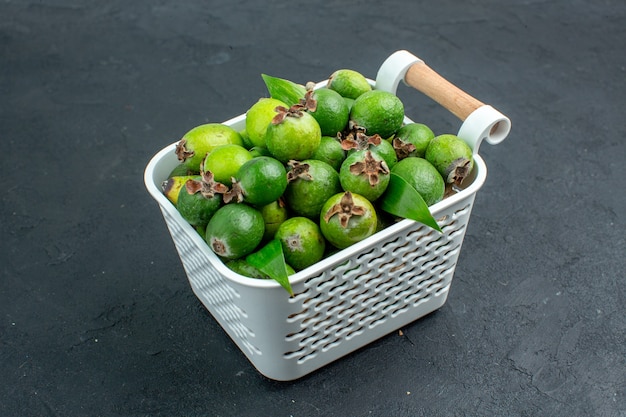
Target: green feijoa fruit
(294, 134)
(412, 140)
(331, 111)
(259, 181)
(196, 203)
(224, 162)
(247, 143)
(348, 83)
(330, 151)
(378, 112)
(347, 218)
(302, 242)
(273, 214)
(196, 143)
(365, 173)
(310, 184)
(451, 156)
(355, 139)
(423, 176)
(385, 150)
(258, 118)
(235, 230)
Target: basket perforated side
(210, 287)
(387, 283)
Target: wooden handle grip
(423, 78)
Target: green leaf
(284, 90)
(402, 199)
(271, 261)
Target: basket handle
(480, 121)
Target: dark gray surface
(97, 317)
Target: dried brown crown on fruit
(235, 193)
(356, 138)
(207, 186)
(345, 209)
(370, 167)
(298, 170)
(308, 103)
(182, 152)
(458, 170)
(403, 149)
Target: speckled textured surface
(96, 315)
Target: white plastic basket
(358, 294)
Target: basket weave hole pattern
(385, 281)
(211, 287)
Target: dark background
(96, 315)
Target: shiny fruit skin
(423, 176)
(262, 179)
(274, 214)
(348, 83)
(203, 139)
(259, 117)
(447, 152)
(195, 208)
(225, 161)
(172, 186)
(417, 134)
(295, 138)
(330, 151)
(332, 111)
(358, 227)
(234, 231)
(305, 197)
(360, 183)
(378, 112)
(302, 242)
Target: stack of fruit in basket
(314, 171)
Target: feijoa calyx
(347, 218)
(366, 173)
(451, 156)
(412, 139)
(199, 198)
